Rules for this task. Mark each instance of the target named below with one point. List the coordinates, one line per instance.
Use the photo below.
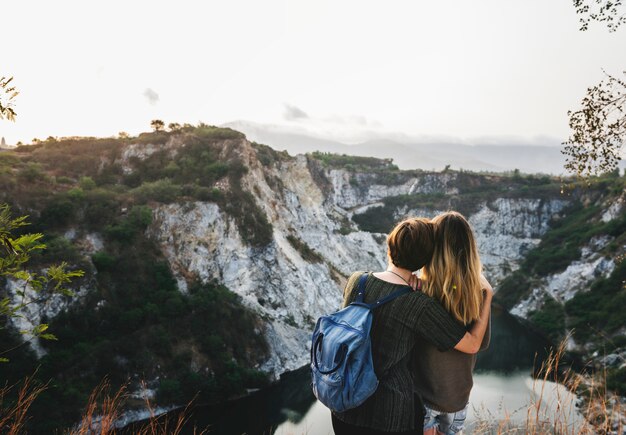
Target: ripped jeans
(448, 423)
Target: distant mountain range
(412, 154)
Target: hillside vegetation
(134, 324)
(94, 199)
(593, 315)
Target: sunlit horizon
(349, 72)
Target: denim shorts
(448, 423)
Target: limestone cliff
(324, 217)
(313, 206)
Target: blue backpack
(342, 370)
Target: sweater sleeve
(436, 325)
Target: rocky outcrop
(507, 229)
(202, 242)
(358, 189)
(314, 245)
(289, 290)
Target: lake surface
(503, 390)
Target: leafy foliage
(267, 155)
(599, 126)
(138, 322)
(598, 129)
(217, 133)
(591, 314)
(609, 12)
(135, 319)
(353, 163)
(15, 252)
(7, 97)
(157, 125)
(126, 229)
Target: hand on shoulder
(487, 289)
(415, 282)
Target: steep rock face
(506, 229)
(314, 245)
(200, 241)
(141, 151)
(353, 190)
(290, 290)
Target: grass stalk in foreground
(580, 405)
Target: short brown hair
(411, 243)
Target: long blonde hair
(453, 274)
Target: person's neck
(395, 274)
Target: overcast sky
(459, 69)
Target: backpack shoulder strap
(361, 288)
(400, 292)
(361, 294)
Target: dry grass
(14, 414)
(105, 408)
(580, 406)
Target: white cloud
(151, 96)
(293, 113)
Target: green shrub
(376, 219)
(125, 230)
(561, 245)
(353, 163)
(251, 220)
(513, 289)
(616, 380)
(550, 319)
(87, 183)
(9, 159)
(103, 261)
(76, 194)
(202, 193)
(101, 208)
(155, 138)
(59, 212)
(32, 172)
(597, 310)
(162, 191)
(305, 250)
(57, 247)
(269, 156)
(217, 133)
(170, 391)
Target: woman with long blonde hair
(454, 278)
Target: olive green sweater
(444, 379)
(396, 328)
